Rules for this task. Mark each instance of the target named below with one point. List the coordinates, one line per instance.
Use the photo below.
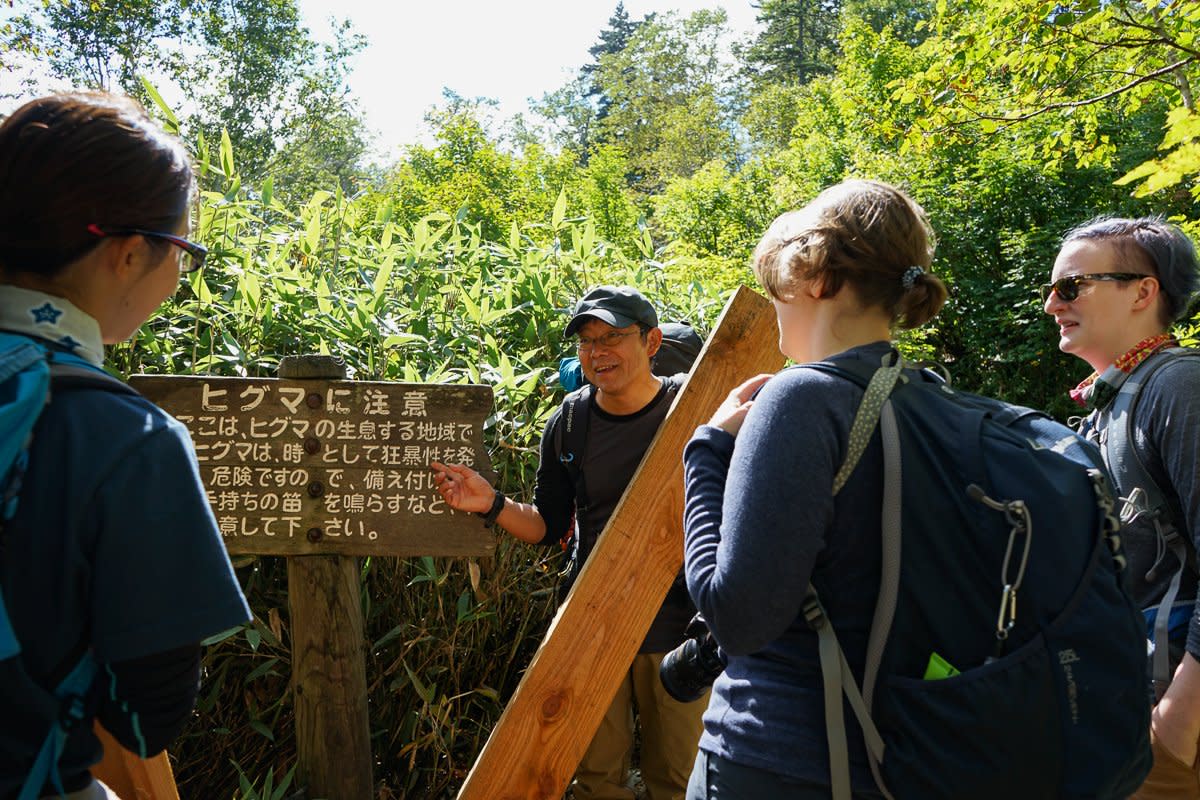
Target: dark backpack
(1150, 518)
(29, 373)
(681, 346)
(1005, 658)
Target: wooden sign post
(546, 727)
(320, 470)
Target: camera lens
(687, 671)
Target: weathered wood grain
(329, 678)
(329, 673)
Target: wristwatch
(489, 516)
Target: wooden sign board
(310, 467)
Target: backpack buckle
(71, 712)
(814, 615)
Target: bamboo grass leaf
(220, 637)
(398, 339)
(382, 277)
(267, 667)
(463, 606)
(258, 727)
(423, 691)
(172, 122)
(560, 211)
(227, 168)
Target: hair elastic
(909, 279)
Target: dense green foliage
(660, 164)
(291, 117)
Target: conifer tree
(798, 41)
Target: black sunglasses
(193, 254)
(1067, 288)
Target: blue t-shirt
(113, 547)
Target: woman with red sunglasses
(111, 558)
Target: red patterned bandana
(1096, 389)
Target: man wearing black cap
(618, 336)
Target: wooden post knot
(554, 706)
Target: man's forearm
(523, 521)
(1177, 715)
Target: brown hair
(865, 233)
(71, 160)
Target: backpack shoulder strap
(875, 410)
(42, 370)
(570, 435)
(570, 439)
(878, 383)
(836, 675)
(67, 376)
(1141, 494)
(1122, 459)
(72, 698)
(26, 377)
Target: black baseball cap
(619, 306)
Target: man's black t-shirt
(615, 447)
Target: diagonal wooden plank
(134, 778)
(543, 733)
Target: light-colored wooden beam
(543, 733)
(134, 778)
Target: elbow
(149, 700)
(143, 736)
(158, 740)
(732, 640)
(740, 616)
(728, 622)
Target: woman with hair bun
(761, 519)
(111, 553)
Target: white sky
(510, 51)
(507, 51)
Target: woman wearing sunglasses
(1117, 287)
(761, 520)
(111, 552)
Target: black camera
(687, 671)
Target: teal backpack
(29, 371)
